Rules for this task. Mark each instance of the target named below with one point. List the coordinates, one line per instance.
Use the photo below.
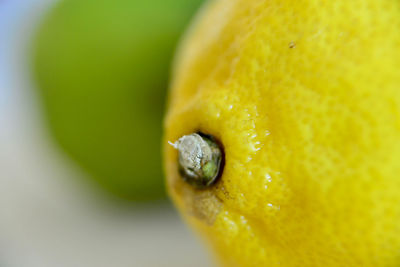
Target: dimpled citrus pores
(304, 99)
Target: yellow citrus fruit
(305, 98)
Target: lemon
(304, 97)
(102, 69)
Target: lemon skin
(304, 96)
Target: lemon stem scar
(200, 159)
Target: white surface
(48, 218)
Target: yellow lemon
(304, 98)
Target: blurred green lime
(102, 70)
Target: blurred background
(82, 96)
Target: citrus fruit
(303, 98)
(102, 70)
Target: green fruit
(102, 70)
